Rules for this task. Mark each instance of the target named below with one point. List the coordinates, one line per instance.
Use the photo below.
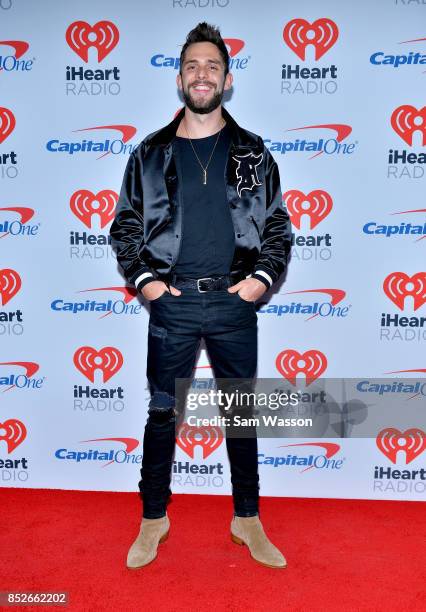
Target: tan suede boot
(144, 548)
(249, 530)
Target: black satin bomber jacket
(147, 230)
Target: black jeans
(228, 325)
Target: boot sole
(160, 541)
(241, 542)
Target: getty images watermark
(319, 408)
(237, 405)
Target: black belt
(209, 283)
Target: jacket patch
(246, 171)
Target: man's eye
(213, 67)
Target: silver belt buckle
(198, 284)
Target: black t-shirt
(208, 240)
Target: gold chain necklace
(204, 169)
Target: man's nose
(201, 72)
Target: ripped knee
(162, 407)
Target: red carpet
(344, 555)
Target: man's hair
(205, 32)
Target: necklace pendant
(205, 177)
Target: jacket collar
(239, 136)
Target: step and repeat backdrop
(337, 92)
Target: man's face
(202, 79)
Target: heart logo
(209, 438)
(398, 285)
(7, 123)
(299, 33)
(10, 284)
(412, 441)
(312, 363)
(104, 36)
(316, 205)
(108, 359)
(15, 433)
(406, 119)
(82, 204)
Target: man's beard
(202, 108)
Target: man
(201, 231)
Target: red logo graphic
(82, 204)
(406, 119)
(422, 370)
(16, 432)
(330, 449)
(209, 438)
(342, 131)
(128, 294)
(30, 366)
(129, 443)
(299, 33)
(87, 359)
(7, 123)
(412, 441)
(25, 213)
(10, 283)
(404, 212)
(316, 205)
(19, 46)
(398, 285)
(234, 45)
(312, 363)
(104, 36)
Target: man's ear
(179, 81)
(229, 79)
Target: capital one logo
(316, 205)
(406, 120)
(10, 283)
(290, 363)
(299, 33)
(209, 438)
(342, 131)
(104, 36)
(412, 442)
(84, 204)
(398, 285)
(14, 434)
(9, 62)
(234, 45)
(7, 123)
(25, 213)
(108, 360)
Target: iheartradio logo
(209, 438)
(10, 284)
(406, 120)
(398, 285)
(7, 123)
(84, 204)
(108, 360)
(412, 442)
(15, 433)
(104, 36)
(316, 205)
(290, 363)
(299, 33)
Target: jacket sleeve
(127, 229)
(276, 239)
